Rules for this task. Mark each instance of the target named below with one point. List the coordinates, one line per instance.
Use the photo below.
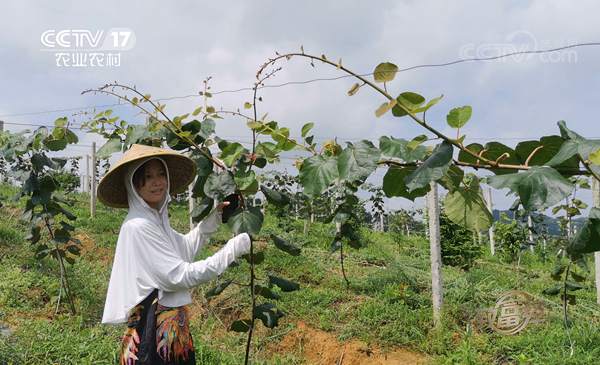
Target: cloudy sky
(178, 44)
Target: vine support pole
(93, 182)
(530, 230)
(433, 212)
(596, 196)
(86, 186)
(490, 206)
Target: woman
(154, 266)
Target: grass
(387, 305)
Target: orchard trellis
(535, 171)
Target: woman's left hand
(221, 206)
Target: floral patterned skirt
(170, 344)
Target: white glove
(241, 244)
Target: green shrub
(458, 246)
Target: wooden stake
(490, 206)
(433, 210)
(93, 183)
(596, 196)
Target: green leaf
(407, 101)
(283, 284)
(265, 292)
(240, 325)
(55, 144)
(219, 185)
(557, 271)
(249, 221)
(268, 314)
(285, 246)
(217, 289)
(202, 209)
(468, 158)
(316, 173)
(573, 286)
(111, 146)
(498, 151)
(61, 122)
(275, 197)
(587, 239)
(550, 145)
(398, 149)
(595, 157)
(232, 152)
(538, 188)
(394, 185)
(306, 128)
(429, 104)
(385, 72)
(552, 291)
(432, 169)
(358, 161)
(574, 145)
(467, 208)
(245, 180)
(458, 117)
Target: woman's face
(154, 188)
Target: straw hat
(111, 189)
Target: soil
(322, 348)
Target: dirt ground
(322, 348)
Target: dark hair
(139, 176)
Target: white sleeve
(161, 268)
(195, 239)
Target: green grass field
(386, 312)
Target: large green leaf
(249, 220)
(111, 146)
(432, 169)
(394, 185)
(548, 146)
(587, 239)
(538, 188)
(467, 208)
(219, 185)
(574, 145)
(398, 149)
(316, 173)
(496, 151)
(358, 161)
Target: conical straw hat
(111, 189)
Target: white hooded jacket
(150, 254)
